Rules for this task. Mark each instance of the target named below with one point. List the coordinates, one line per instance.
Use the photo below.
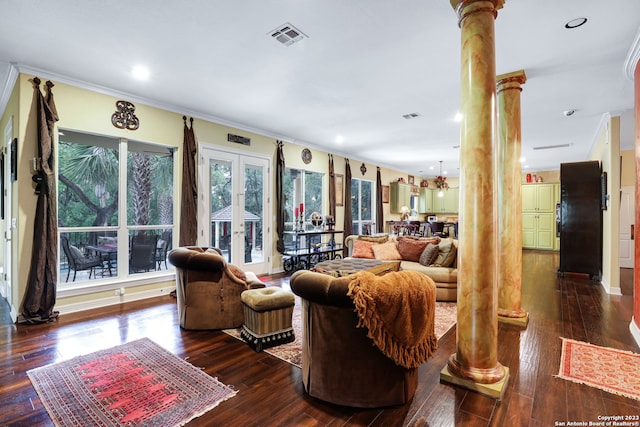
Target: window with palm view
(115, 206)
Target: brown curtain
(332, 188)
(379, 211)
(280, 165)
(40, 295)
(348, 219)
(189, 206)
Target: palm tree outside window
(108, 190)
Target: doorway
(234, 205)
(627, 219)
(5, 268)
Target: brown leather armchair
(340, 363)
(208, 288)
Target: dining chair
(143, 253)
(77, 261)
(161, 253)
(437, 229)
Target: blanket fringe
(403, 355)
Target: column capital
(466, 7)
(511, 80)
(633, 57)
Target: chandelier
(441, 182)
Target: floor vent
(287, 34)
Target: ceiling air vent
(287, 34)
(549, 147)
(411, 116)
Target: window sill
(66, 290)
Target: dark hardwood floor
(270, 390)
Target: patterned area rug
(608, 369)
(134, 384)
(445, 318)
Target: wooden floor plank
(270, 391)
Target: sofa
(208, 288)
(433, 256)
(342, 358)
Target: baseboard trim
(104, 302)
(608, 289)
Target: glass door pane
(221, 208)
(254, 177)
(235, 207)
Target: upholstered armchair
(340, 363)
(208, 288)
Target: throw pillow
(429, 254)
(236, 271)
(411, 249)
(375, 239)
(387, 251)
(432, 239)
(446, 254)
(77, 254)
(363, 249)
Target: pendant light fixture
(441, 182)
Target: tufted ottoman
(267, 317)
(346, 266)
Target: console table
(309, 248)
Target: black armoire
(580, 222)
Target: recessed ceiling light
(339, 139)
(140, 72)
(523, 159)
(457, 117)
(575, 23)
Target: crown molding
(633, 57)
(7, 86)
(92, 87)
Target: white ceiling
(364, 65)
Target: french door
(233, 207)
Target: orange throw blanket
(398, 310)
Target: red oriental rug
(134, 384)
(614, 371)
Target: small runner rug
(134, 384)
(445, 318)
(614, 371)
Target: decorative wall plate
(306, 156)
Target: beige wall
(607, 151)
(87, 111)
(628, 166)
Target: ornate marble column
(475, 363)
(510, 199)
(632, 70)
